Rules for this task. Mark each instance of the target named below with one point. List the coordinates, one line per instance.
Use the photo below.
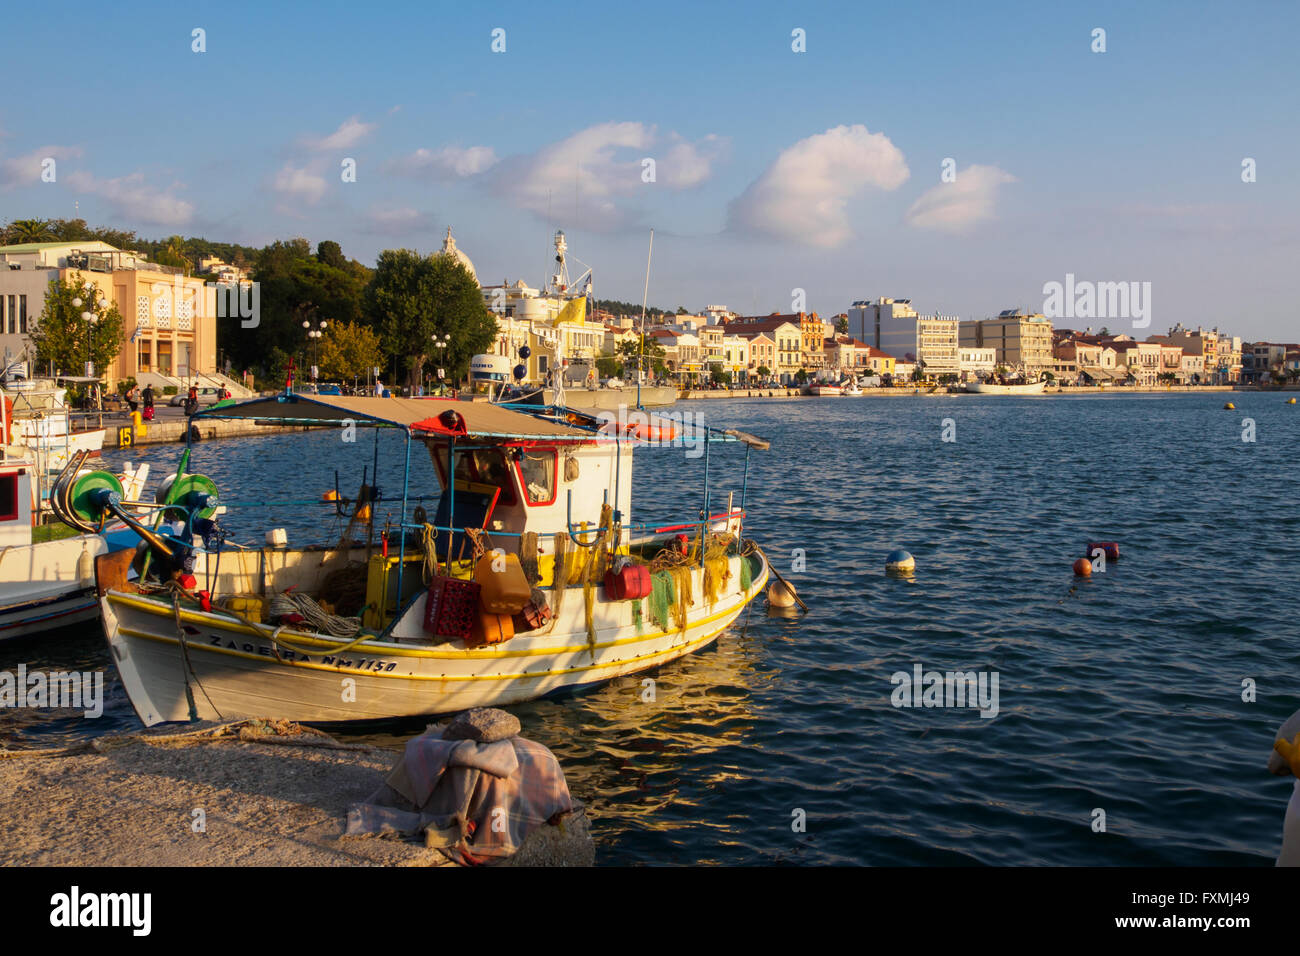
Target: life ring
(641, 431)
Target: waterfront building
(169, 320)
(735, 356)
(1023, 340)
(1221, 353)
(762, 353)
(1142, 359)
(1262, 360)
(1083, 358)
(787, 338)
(711, 350)
(975, 362)
(893, 326)
(809, 325)
(718, 314)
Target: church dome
(449, 249)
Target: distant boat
(852, 388)
(988, 388)
(824, 389)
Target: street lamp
(315, 335)
(440, 342)
(91, 319)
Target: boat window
(537, 475)
(484, 466)
(8, 497)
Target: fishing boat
(39, 418)
(526, 577)
(992, 388)
(46, 573)
(824, 388)
(851, 388)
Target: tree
(412, 298)
(27, 230)
(64, 340)
(717, 374)
(801, 376)
(348, 350)
(842, 325)
(631, 352)
(294, 286)
(763, 371)
(609, 367)
(331, 253)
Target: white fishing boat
(824, 388)
(992, 388)
(39, 418)
(851, 389)
(528, 578)
(47, 577)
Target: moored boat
(537, 505)
(992, 388)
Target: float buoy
(1109, 548)
(1290, 401)
(363, 513)
(1083, 568)
(780, 595)
(899, 560)
(330, 496)
(1229, 406)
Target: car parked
(207, 396)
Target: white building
(893, 326)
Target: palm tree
(28, 230)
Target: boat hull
(985, 388)
(611, 399)
(231, 669)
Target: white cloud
(350, 132)
(802, 196)
(299, 183)
(26, 170)
(583, 176)
(450, 162)
(400, 221)
(131, 198)
(689, 164)
(956, 206)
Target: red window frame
(523, 485)
(9, 496)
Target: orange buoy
(1083, 568)
(330, 496)
(363, 513)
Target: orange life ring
(641, 431)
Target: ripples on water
(1121, 692)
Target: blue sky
(775, 170)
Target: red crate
(451, 607)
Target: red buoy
(1083, 568)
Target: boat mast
(645, 293)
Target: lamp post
(314, 334)
(91, 319)
(440, 342)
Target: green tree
(631, 352)
(348, 350)
(294, 286)
(65, 340)
(27, 230)
(331, 253)
(607, 366)
(763, 371)
(412, 298)
(842, 325)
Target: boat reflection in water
(642, 754)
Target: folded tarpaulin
(475, 802)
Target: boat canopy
(425, 417)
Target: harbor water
(1120, 694)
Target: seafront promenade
(171, 431)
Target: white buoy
(900, 560)
(277, 538)
(780, 595)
